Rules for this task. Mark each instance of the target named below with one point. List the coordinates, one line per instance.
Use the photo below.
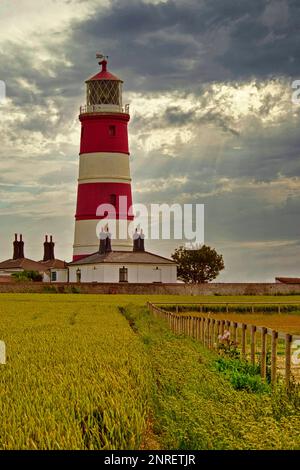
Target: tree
(198, 265)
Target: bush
(242, 375)
(30, 276)
(50, 289)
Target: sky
(209, 83)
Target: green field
(98, 372)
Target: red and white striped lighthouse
(104, 173)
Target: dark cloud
(181, 43)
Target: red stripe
(77, 257)
(91, 195)
(104, 133)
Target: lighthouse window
(112, 130)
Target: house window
(113, 199)
(53, 276)
(123, 274)
(112, 130)
(78, 275)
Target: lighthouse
(104, 172)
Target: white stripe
(104, 165)
(104, 180)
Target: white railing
(102, 108)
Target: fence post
(222, 327)
(253, 330)
(274, 356)
(198, 329)
(176, 308)
(208, 332)
(202, 329)
(213, 323)
(218, 327)
(226, 308)
(235, 332)
(205, 331)
(278, 308)
(263, 352)
(244, 327)
(288, 345)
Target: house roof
(123, 257)
(288, 280)
(23, 263)
(54, 263)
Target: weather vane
(101, 56)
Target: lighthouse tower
(104, 173)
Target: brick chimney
(48, 249)
(51, 248)
(21, 247)
(16, 247)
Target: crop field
(74, 369)
(289, 323)
(99, 372)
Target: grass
(93, 372)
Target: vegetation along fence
(269, 348)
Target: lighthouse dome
(104, 88)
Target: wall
(137, 273)
(61, 275)
(179, 289)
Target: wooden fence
(207, 329)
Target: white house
(118, 266)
